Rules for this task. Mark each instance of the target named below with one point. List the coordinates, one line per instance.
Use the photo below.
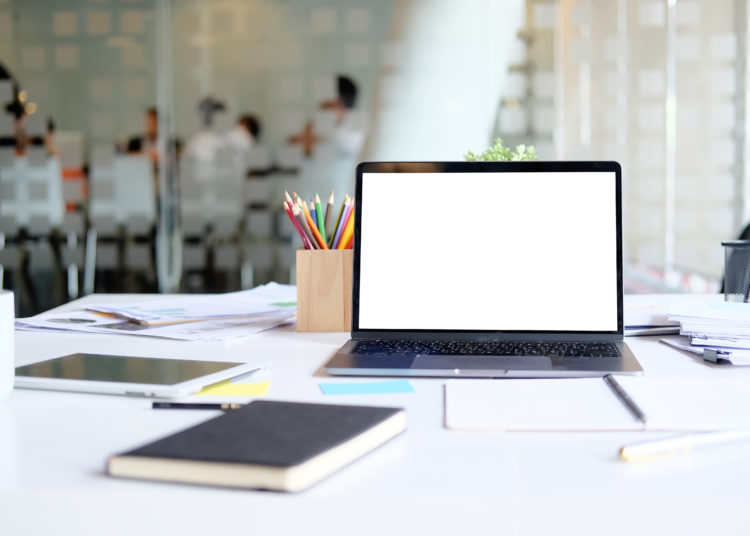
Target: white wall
(437, 96)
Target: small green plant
(499, 152)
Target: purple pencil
(344, 218)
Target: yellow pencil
(346, 236)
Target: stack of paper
(720, 331)
(217, 317)
(647, 315)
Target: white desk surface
(430, 480)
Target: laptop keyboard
(495, 348)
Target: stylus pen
(194, 405)
(670, 446)
(624, 398)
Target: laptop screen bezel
(485, 167)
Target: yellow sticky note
(226, 388)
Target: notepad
(586, 404)
(267, 444)
(227, 388)
(367, 388)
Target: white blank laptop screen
(489, 251)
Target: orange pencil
(348, 234)
(313, 227)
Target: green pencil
(319, 217)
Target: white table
(430, 480)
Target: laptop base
(348, 363)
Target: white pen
(671, 446)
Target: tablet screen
(122, 369)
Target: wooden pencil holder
(324, 289)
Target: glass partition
(146, 145)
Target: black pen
(194, 405)
(624, 397)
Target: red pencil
(298, 227)
(350, 243)
(306, 228)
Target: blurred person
(348, 134)
(242, 138)
(204, 146)
(341, 143)
(147, 142)
(47, 140)
(245, 134)
(16, 109)
(20, 139)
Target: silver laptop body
(487, 269)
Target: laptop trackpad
(468, 362)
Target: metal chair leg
(246, 275)
(89, 265)
(72, 281)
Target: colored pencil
(348, 234)
(342, 226)
(320, 218)
(305, 242)
(312, 226)
(306, 228)
(350, 243)
(327, 219)
(313, 214)
(335, 229)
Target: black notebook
(285, 446)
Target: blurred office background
(92, 198)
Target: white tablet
(128, 375)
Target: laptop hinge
(474, 336)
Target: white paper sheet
(270, 298)
(685, 404)
(714, 353)
(206, 331)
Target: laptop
(487, 269)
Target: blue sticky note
(367, 388)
